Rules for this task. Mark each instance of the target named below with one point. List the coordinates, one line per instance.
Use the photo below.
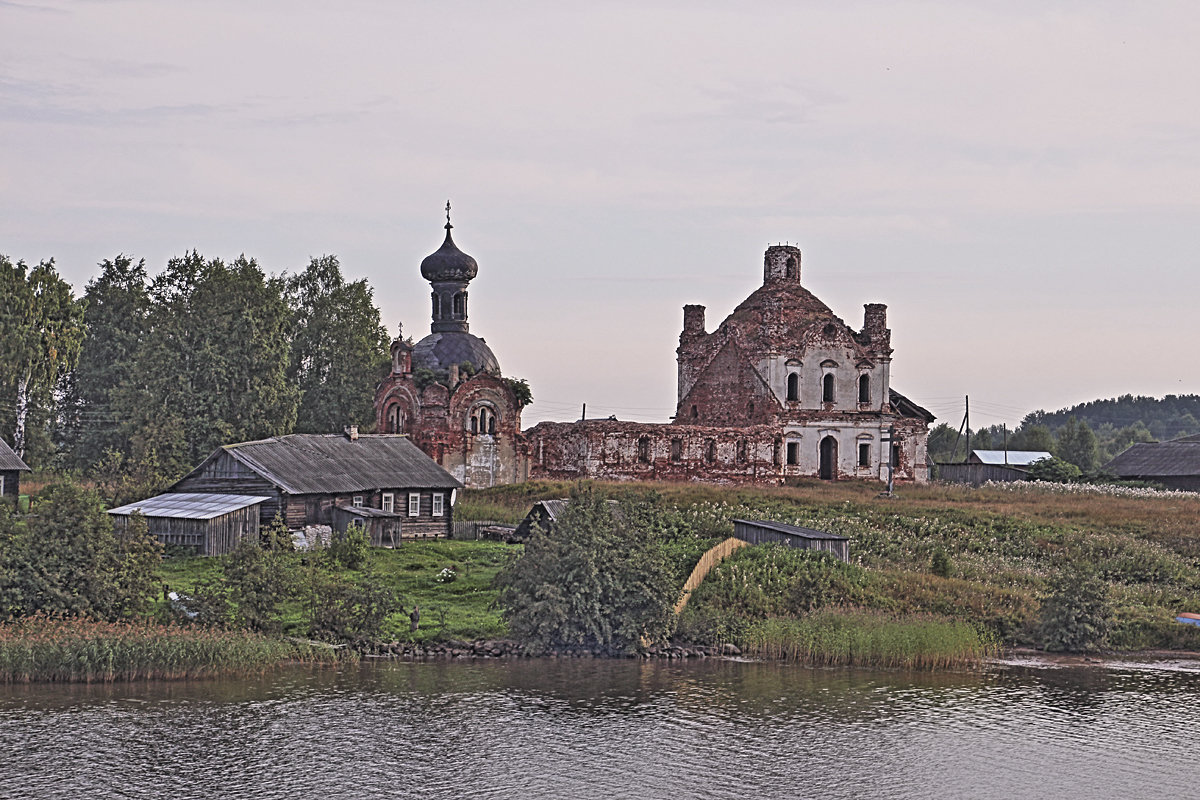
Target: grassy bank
(43, 649)
(842, 638)
(461, 607)
(1000, 547)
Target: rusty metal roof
(1180, 457)
(10, 460)
(315, 463)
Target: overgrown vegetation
(48, 648)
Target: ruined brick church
(782, 388)
(446, 391)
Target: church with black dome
(446, 391)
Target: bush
(1076, 616)
(1054, 470)
(350, 548)
(940, 563)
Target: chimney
(352, 433)
(875, 324)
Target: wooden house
(1174, 464)
(208, 524)
(306, 476)
(763, 532)
(11, 467)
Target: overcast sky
(1019, 182)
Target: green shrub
(1076, 616)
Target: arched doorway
(829, 454)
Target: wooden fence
(474, 529)
(714, 556)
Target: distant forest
(1088, 435)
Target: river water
(584, 728)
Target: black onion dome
(438, 351)
(449, 263)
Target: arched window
(827, 388)
(460, 304)
(710, 451)
(492, 424)
(474, 423)
(395, 420)
(695, 412)
(437, 306)
(793, 388)
(864, 388)
(791, 267)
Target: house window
(864, 454)
(414, 504)
(793, 453)
(358, 501)
(439, 504)
(827, 388)
(793, 388)
(389, 502)
(864, 388)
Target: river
(622, 729)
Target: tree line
(1088, 435)
(141, 377)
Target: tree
(213, 367)
(41, 327)
(1033, 437)
(64, 558)
(1076, 616)
(338, 348)
(1076, 444)
(589, 582)
(116, 320)
(1053, 470)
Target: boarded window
(439, 504)
(793, 453)
(414, 504)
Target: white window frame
(358, 501)
(388, 502)
(414, 504)
(439, 504)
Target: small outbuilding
(999, 466)
(208, 524)
(1174, 464)
(545, 513)
(764, 531)
(11, 467)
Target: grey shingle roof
(188, 505)
(1150, 459)
(10, 460)
(314, 463)
(792, 530)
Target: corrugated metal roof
(1155, 459)
(1016, 458)
(10, 460)
(315, 463)
(792, 530)
(189, 505)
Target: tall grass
(45, 649)
(856, 638)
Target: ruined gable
(728, 391)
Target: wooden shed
(763, 531)
(11, 467)
(385, 528)
(209, 524)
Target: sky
(1018, 181)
